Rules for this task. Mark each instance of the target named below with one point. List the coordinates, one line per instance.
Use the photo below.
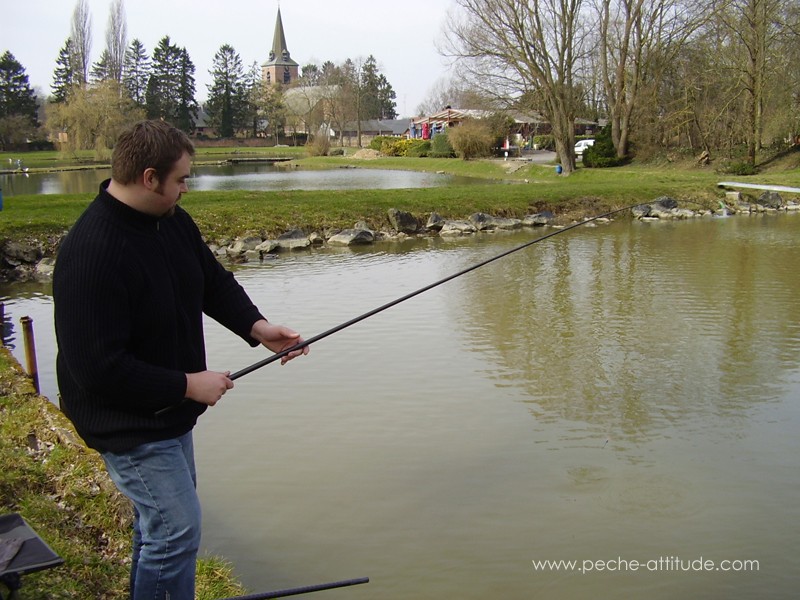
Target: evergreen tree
(136, 71)
(369, 86)
(161, 98)
(63, 76)
(16, 95)
(101, 70)
(171, 86)
(18, 108)
(311, 74)
(154, 103)
(329, 72)
(378, 95)
(187, 108)
(385, 96)
(227, 95)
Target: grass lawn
(513, 189)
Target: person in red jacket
(132, 281)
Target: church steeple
(280, 68)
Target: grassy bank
(61, 488)
(512, 189)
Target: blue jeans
(159, 478)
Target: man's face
(168, 192)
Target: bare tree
(116, 40)
(754, 27)
(791, 68)
(531, 49)
(81, 42)
(451, 92)
(636, 39)
(737, 77)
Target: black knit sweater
(129, 291)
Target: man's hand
(207, 387)
(278, 338)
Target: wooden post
(30, 351)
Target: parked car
(582, 145)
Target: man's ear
(150, 179)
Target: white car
(582, 145)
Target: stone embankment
(25, 260)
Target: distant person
(131, 283)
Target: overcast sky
(399, 34)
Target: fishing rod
(375, 311)
(302, 590)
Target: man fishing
(131, 284)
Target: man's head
(155, 145)
(149, 167)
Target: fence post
(30, 351)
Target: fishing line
(375, 311)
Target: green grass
(529, 188)
(62, 490)
(222, 215)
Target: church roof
(279, 55)
(301, 100)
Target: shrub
(601, 162)
(603, 154)
(544, 142)
(41, 144)
(393, 146)
(336, 152)
(377, 142)
(419, 148)
(440, 146)
(471, 139)
(319, 145)
(741, 168)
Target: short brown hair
(148, 145)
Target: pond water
(626, 393)
(248, 176)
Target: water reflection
(638, 329)
(253, 177)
